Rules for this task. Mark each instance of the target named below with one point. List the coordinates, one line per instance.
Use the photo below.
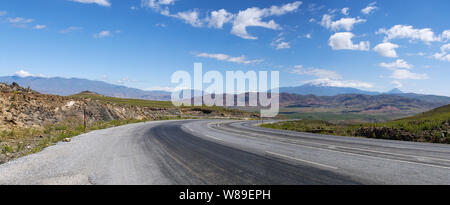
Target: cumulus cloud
(400, 63)
(253, 17)
(444, 55)
(328, 78)
(102, 34)
(250, 17)
(401, 70)
(386, 49)
(156, 4)
(403, 74)
(24, 74)
(219, 18)
(280, 43)
(340, 83)
(345, 11)
(397, 84)
(346, 24)
(445, 35)
(409, 32)
(370, 8)
(2, 13)
(99, 2)
(190, 17)
(343, 41)
(225, 57)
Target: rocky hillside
(20, 107)
(30, 121)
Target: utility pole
(84, 119)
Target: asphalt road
(227, 152)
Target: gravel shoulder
(110, 156)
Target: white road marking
(214, 137)
(354, 154)
(365, 150)
(349, 153)
(300, 160)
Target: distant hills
(357, 103)
(70, 86)
(319, 90)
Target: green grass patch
(432, 126)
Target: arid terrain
(31, 121)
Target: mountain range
(70, 86)
(320, 90)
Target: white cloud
(340, 83)
(24, 74)
(401, 70)
(253, 17)
(400, 63)
(189, 17)
(405, 31)
(126, 80)
(444, 55)
(20, 20)
(283, 45)
(369, 9)
(290, 7)
(280, 43)
(386, 49)
(99, 2)
(317, 72)
(345, 11)
(343, 41)
(102, 34)
(445, 35)
(403, 74)
(39, 27)
(2, 13)
(397, 84)
(346, 24)
(308, 36)
(70, 29)
(164, 88)
(225, 57)
(219, 18)
(328, 78)
(156, 4)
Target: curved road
(227, 152)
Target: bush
(7, 149)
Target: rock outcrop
(21, 107)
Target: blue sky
(371, 45)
